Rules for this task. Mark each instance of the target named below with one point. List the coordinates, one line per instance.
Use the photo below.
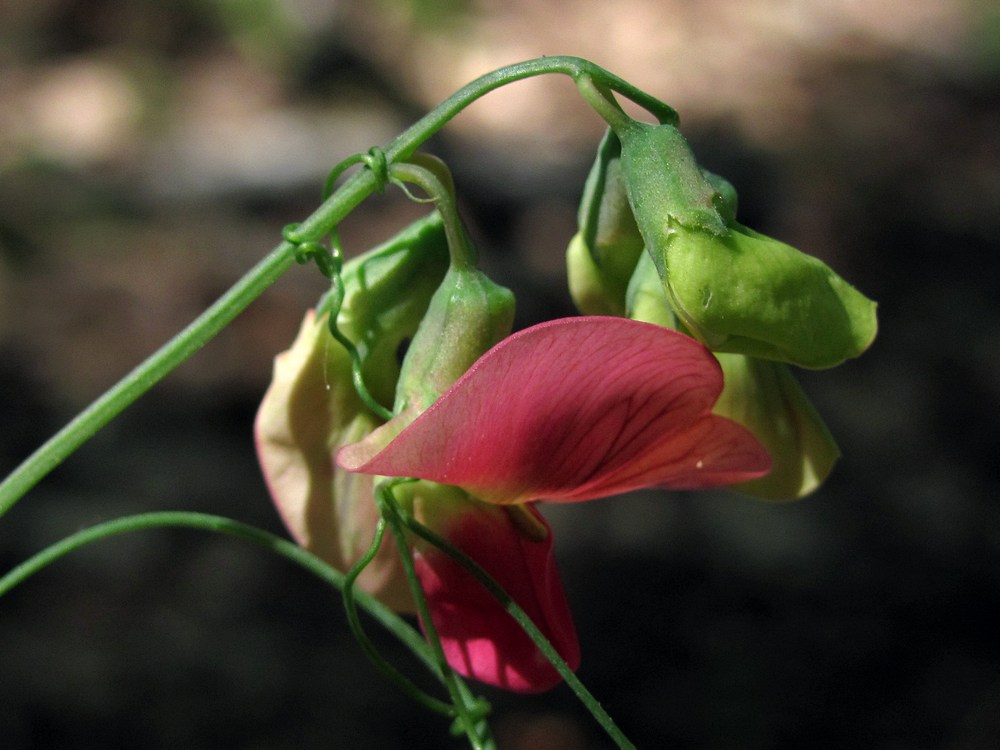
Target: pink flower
(570, 410)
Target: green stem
(350, 606)
(145, 376)
(358, 187)
(221, 525)
(361, 185)
(460, 248)
(602, 102)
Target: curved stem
(603, 103)
(362, 184)
(460, 247)
(405, 633)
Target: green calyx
(467, 315)
(732, 288)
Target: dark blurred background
(150, 152)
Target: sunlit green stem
(361, 185)
(601, 100)
(460, 247)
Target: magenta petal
(480, 639)
(575, 409)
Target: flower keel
(479, 638)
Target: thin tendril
(228, 526)
(330, 264)
(350, 606)
(470, 717)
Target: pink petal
(480, 639)
(574, 409)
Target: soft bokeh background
(150, 152)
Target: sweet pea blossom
(570, 410)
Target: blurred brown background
(150, 152)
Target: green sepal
(765, 397)
(467, 315)
(666, 187)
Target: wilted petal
(480, 639)
(308, 409)
(574, 409)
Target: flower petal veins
(574, 409)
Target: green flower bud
(732, 288)
(602, 255)
(467, 315)
(765, 397)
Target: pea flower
(565, 411)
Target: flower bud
(732, 288)
(603, 253)
(467, 315)
(311, 407)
